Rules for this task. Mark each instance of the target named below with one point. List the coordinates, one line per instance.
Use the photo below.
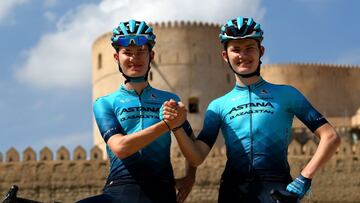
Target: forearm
(329, 141)
(189, 148)
(130, 144)
(190, 170)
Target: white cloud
(6, 6)
(62, 58)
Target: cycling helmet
(240, 28)
(133, 32)
(136, 33)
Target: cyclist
(255, 118)
(137, 140)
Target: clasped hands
(174, 113)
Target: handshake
(173, 114)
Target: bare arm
(329, 141)
(195, 151)
(124, 146)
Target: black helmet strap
(248, 75)
(135, 79)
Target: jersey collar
(258, 84)
(132, 91)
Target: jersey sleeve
(211, 127)
(303, 110)
(106, 119)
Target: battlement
(62, 154)
(315, 65)
(79, 154)
(184, 24)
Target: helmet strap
(248, 75)
(135, 79)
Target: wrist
(167, 124)
(177, 128)
(306, 175)
(191, 170)
(304, 178)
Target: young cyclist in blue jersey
(137, 140)
(255, 118)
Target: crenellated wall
(66, 179)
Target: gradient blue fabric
(256, 124)
(126, 112)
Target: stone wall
(66, 179)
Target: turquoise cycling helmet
(240, 28)
(133, 32)
(136, 33)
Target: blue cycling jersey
(256, 124)
(126, 112)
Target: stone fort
(188, 62)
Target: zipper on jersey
(141, 119)
(251, 135)
(141, 113)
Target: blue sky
(45, 66)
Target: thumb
(181, 105)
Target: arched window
(99, 61)
(193, 105)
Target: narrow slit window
(99, 61)
(193, 105)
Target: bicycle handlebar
(10, 197)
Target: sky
(45, 64)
